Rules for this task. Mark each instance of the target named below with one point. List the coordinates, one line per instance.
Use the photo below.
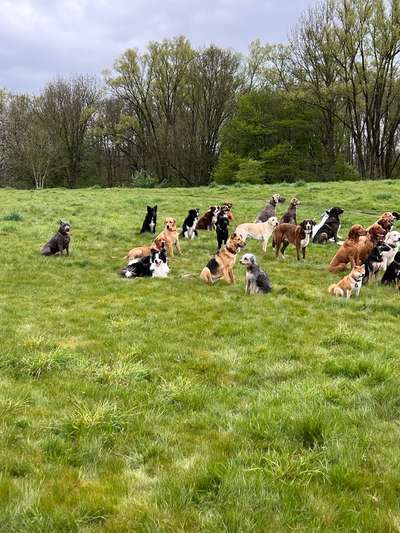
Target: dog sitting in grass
(257, 281)
(60, 241)
(150, 220)
(350, 285)
(171, 236)
(221, 265)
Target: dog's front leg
(264, 244)
(298, 252)
(304, 253)
(171, 249)
(348, 293)
(226, 275)
(178, 246)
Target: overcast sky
(42, 39)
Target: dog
(209, 219)
(171, 236)
(221, 265)
(290, 217)
(140, 252)
(150, 220)
(221, 229)
(392, 239)
(385, 221)
(226, 209)
(297, 234)
(348, 252)
(60, 241)
(329, 226)
(154, 265)
(365, 245)
(270, 208)
(350, 285)
(260, 231)
(257, 281)
(392, 274)
(189, 230)
(374, 261)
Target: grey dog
(257, 280)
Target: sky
(43, 39)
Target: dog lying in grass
(59, 242)
(140, 252)
(261, 231)
(297, 234)
(257, 281)
(348, 252)
(221, 265)
(170, 235)
(350, 285)
(154, 265)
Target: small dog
(374, 261)
(150, 220)
(171, 236)
(189, 230)
(209, 219)
(350, 285)
(290, 217)
(257, 281)
(299, 235)
(392, 274)
(221, 265)
(348, 252)
(140, 252)
(260, 231)
(270, 208)
(59, 242)
(329, 226)
(154, 265)
(221, 229)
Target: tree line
(323, 106)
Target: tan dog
(261, 231)
(350, 285)
(221, 265)
(348, 252)
(171, 236)
(365, 245)
(138, 253)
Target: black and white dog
(60, 241)
(221, 228)
(329, 226)
(257, 280)
(392, 274)
(374, 260)
(150, 220)
(189, 225)
(154, 266)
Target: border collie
(154, 266)
(150, 220)
(189, 230)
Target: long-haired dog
(328, 227)
(257, 281)
(154, 265)
(209, 219)
(348, 252)
(60, 241)
(374, 261)
(290, 217)
(221, 265)
(140, 252)
(171, 236)
(297, 234)
(365, 244)
(270, 208)
(392, 274)
(350, 285)
(150, 220)
(386, 221)
(221, 229)
(392, 239)
(189, 230)
(260, 231)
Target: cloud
(43, 39)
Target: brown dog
(348, 252)
(221, 265)
(140, 252)
(171, 236)
(365, 245)
(209, 219)
(350, 285)
(297, 234)
(386, 221)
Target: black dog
(330, 227)
(154, 265)
(150, 220)
(392, 274)
(221, 229)
(374, 260)
(60, 241)
(189, 230)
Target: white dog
(393, 240)
(261, 231)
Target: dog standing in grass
(257, 281)
(261, 231)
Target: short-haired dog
(290, 217)
(260, 231)
(150, 220)
(221, 265)
(297, 234)
(350, 285)
(270, 208)
(171, 236)
(60, 241)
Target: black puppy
(189, 230)
(392, 274)
(374, 260)
(221, 229)
(150, 220)
(330, 226)
(60, 241)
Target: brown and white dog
(348, 252)
(261, 231)
(209, 219)
(170, 234)
(221, 265)
(270, 208)
(226, 209)
(297, 234)
(350, 285)
(140, 252)
(290, 217)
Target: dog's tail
(331, 288)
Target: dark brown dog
(209, 219)
(386, 221)
(290, 217)
(348, 252)
(221, 265)
(297, 234)
(366, 244)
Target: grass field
(169, 405)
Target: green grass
(169, 405)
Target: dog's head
(335, 211)
(158, 257)
(392, 238)
(170, 224)
(248, 260)
(383, 247)
(277, 199)
(273, 222)
(386, 221)
(159, 243)
(376, 232)
(358, 272)
(396, 215)
(294, 202)
(307, 225)
(356, 231)
(152, 211)
(65, 227)
(236, 242)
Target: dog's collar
(230, 250)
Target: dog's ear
(148, 208)
(155, 208)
